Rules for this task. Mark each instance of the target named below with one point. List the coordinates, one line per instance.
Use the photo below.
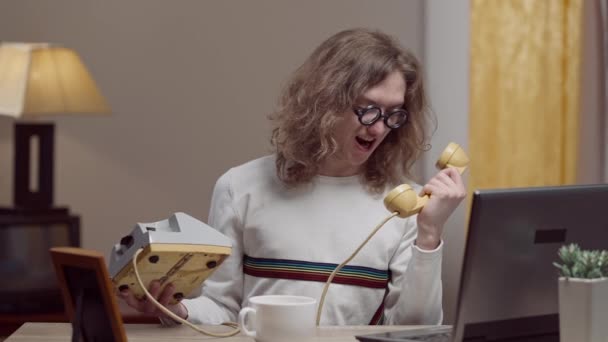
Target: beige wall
(446, 52)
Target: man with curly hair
(350, 123)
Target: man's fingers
(446, 182)
(131, 301)
(453, 173)
(429, 188)
(167, 294)
(154, 290)
(445, 179)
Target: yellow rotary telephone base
(183, 265)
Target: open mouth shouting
(365, 143)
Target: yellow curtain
(525, 83)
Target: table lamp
(38, 80)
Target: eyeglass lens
(372, 114)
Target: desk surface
(156, 333)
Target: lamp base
(33, 187)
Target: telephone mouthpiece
(401, 199)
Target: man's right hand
(147, 307)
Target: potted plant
(583, 294)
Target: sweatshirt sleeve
(222, 292)
(415, 290)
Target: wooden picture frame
(88, 295)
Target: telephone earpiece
(405, 201)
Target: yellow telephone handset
(404, 200)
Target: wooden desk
(9, 323)
(155, 333)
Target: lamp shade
(42, 79)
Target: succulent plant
(579, 263)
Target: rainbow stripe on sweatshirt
(315, 271)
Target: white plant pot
(583, 310)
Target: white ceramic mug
(279, 318)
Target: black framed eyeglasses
(370, 114)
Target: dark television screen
(29, 283)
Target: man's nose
(378, 128)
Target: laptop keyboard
(441, 337)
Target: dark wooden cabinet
(29, 290)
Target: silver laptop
(508, 288)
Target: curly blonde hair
(327, 85)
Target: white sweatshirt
(287, 241)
